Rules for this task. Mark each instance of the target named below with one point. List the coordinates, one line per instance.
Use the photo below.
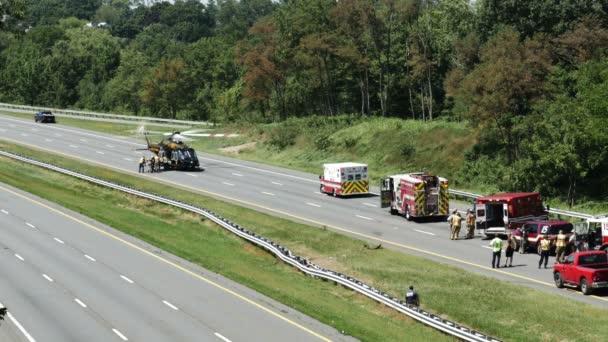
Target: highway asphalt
(294, 195)
(68, 278)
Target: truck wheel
(321, 189)
(407, 214)
(393, 211)
(559, 282)
(333, 193)
(585, 287)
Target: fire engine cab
(415, 195)
(499, 214)
(344, 179)
(594, 232)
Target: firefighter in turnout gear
(455, 222)
(560, 246)
(470, 220)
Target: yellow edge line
(307, 219)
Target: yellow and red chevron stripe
(356, 187)
(419, 198)
(444, 200)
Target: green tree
(168, 89)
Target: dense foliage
(531, 77)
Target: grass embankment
(501, 309)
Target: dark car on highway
(44, 117)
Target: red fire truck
(344, 179)
(500, 214)
(415, 195)
(593, 232)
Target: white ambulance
(344, 179)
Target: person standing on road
(496, 245)
(524, 241)
(142, 163)
(545, 247)
(509, 249)
(411, 297)
(560, 246)
(456, 218)
(470, 220)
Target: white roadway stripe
(19, 326)
(2, 130)
(277, 183)
(80, 302)
(191, 175)
(222, 337)
(488, 247)
(110, 146)
(19, 257)
(170, 305)
(23, 134)
(73, 146)
(34, 129)
(123, 337)
(89, 257)
(128, 159)
(318, 193)
(267, 193)
(127, 279)
(237, 174)
(423, 232)
(83, 140)
(370, 205)
(314, 205)
(30, 225)
(49, 140)
(258, 169)
(47, 277)
(100, 152)
(58, 135)
(59, 240)
(229, 184)
(4, 211)
(364, 217)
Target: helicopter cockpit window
(192, 153)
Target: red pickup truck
(589, 270)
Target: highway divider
(550, 210)
(90, 115)
(285, 255)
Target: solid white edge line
(268, 193)
(364, 217)
(123, 337)
(89, 257)
(59, 240)
(80, 303)
(47, 277)
(222, 337)
(170, 305)
(314, 205)
(19, 326)
(191, 175)
(19, 257)
(127, 279)
(30, 225)
(229, 184)
(423, 232)
(4, 211)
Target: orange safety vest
(545, 245)
(561, 240)
(456, 220)
(470, 219)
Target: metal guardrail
(301, 263)
(550, 210)
(68, 112)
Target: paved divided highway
(66, 278)
(291, 194)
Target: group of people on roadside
(545, 248)
(455, 221)
(153, 164)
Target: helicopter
(179, 155)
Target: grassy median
(498, 308)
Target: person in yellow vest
(545, 247)
(496, 245)
(470, 220)
(560, 246)
(456, 218)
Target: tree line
(530, 77)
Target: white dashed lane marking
(99, 152)
(128, 159)
(110, 146)
(4, 211)
(80, 302)
(364, 217)
(24, 135)
(222, 337)
(73, 146)
(59, 240)
(423, 232)
(30, 225)
(19, 257)
(47, 277)
(237, 174)
(488, 247)
(47, 139)
(275, 183)
(267, 193)
(123, 337)
(191, 175)
(127, 279)
(370, 205)
(229, 184)
(314, 205)
(83, 140)
(89, 257)
(170, 305)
